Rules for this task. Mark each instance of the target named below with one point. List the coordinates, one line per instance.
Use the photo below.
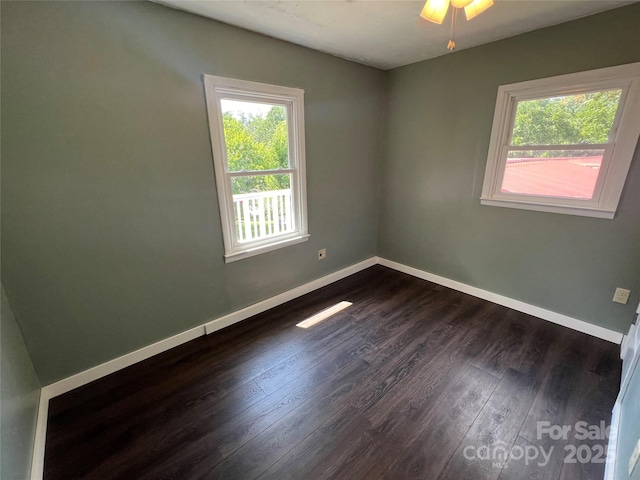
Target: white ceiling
(386, 33)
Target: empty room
(320, 240)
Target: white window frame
(618, 151)
(218, 88)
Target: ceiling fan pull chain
(451, 45)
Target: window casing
(262, 200)
(604, 164)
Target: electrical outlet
(635, 455)
(322, 254)
(621, 295)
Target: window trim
(618, 153)
(217, 88)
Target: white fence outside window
(263, 214)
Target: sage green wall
(440, 115)
(19, 396)
(111, 230)
(110, 223)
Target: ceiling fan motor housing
(460, 3)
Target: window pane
(570, 174)
(255, 135)
(566, 120)
(262, 206)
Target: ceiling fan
(435, 11)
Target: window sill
(251, 251)
(549, 208)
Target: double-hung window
(564, 144)
(257, 138)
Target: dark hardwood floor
(414, 380)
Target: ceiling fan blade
(476, 7)
(435, 10)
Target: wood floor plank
(246, 360)
(509, 339)
(556, 404)
(317, 452)
(550, 453)
(386, 450)
(426, 455)
(395, 386)
(395, 417)
(553, 404)
(495, 430)
(209, 387)
(254, 336)
(361, 396)
(265, 449)
(235, 433)
(594, 409)
(231, 427)
(533, 461)
(400, 369)
(297, 364)
(315, 464)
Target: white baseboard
(284, 297)
(554, 317)
(107, 368)
(87, 376)
(37, 458)
(99, 371)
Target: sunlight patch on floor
(323, 315)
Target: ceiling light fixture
(436, 10)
